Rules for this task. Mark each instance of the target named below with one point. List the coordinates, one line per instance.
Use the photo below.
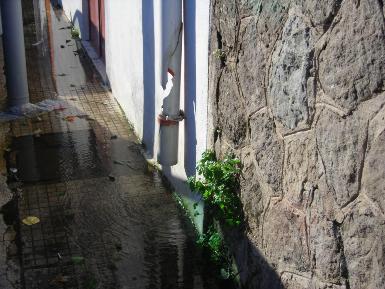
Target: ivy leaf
(218, 182)
(77, 260)
(225, 274)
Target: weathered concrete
(297, 92)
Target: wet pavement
(106, 219)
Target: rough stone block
(342, 144)
(232, 119)
(300, 172)
(351, 64)
(285, 239)
(226, 21)
(362, 232)
(268, 148)
(252, 197)
(252, 60)
(292, 100)
(373, 177)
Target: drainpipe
(171, 54)
(14, 52)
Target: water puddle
(74, 155)
(58, 157)
(95, 232)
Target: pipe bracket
(165, 120)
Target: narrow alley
(192, 144)
(87, 211)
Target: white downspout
(171, 54)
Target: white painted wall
(77, 12)
(124, 57)
(132, 64)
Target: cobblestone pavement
(106, 219)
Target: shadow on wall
(254, 270)
(190, 87)
(78, 17)
(86, 27)
(148, 76)
(57, 3)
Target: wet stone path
(106, 220)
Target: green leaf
(77, 260)
(90, 282)
(31, 220)
(218, 182)
(225, 274)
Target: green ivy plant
(75, 33)
(218, 184)
(220, 54)
(213, 241)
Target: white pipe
(14, 52)
(171, 54)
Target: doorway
(97, 26)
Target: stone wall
(297, 92)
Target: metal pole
(14, 52)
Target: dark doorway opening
(97, 26)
